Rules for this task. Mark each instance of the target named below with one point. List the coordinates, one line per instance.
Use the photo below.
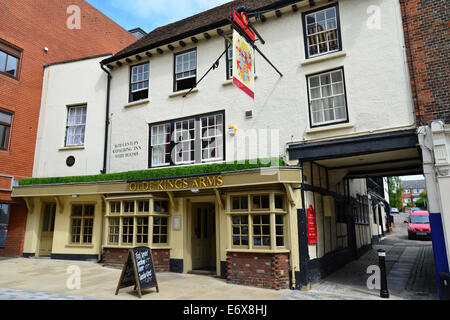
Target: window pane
(330, 13)
(336, 76)
(77, 211)
(11, 66)
(3, 135)
(314, 82)
(278, 202)
(2, 61)
(5, 117)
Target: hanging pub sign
(312, 225)
(243, 55)
(243, 65)
(138, 271)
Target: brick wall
(267, 270)
(117, 257)
(32, 25)
(426, 25)
(16, 231)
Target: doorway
(203, 238)
(47, 230)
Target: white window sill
(181, 93)
(71, 148)
(259, 250)
(330, 128)
(325, 57)
(227, 83)
(87, 246)
(153, 247)
(136, 103)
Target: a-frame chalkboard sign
(138, 271)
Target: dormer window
(185, 70)
(139, 82)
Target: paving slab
(46, 279)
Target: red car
(419, 225)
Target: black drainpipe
(108, 90)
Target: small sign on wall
(176, 223)
(312, 225)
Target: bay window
(258, 221)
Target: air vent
(248, 114)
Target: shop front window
(261, 231)
(240, 230)
(260, 226)
(140, 222)
(82, 224)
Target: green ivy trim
(159, 173)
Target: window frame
(250, 213)
(130, 93)
(328, 123)
(83, 218)
(77, 125)
(198, 157)
(8, 130)
(175, 80)
(305, 30)
(135, 216)
(229, 60)
(15, 52)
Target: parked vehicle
(394, 211)
(419, 225)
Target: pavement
(47, 279)
(409, 265)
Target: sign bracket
(213, 67)
(239, 30)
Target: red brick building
(426, 28)
(34, 33)
(426, 25)
(412, 190)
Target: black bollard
(384, 293)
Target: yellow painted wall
(32, 228)
(61, 237)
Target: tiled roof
(413, 184)
(202, 22)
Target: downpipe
(107, 122)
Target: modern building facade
(33, 33)
(179, 157)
